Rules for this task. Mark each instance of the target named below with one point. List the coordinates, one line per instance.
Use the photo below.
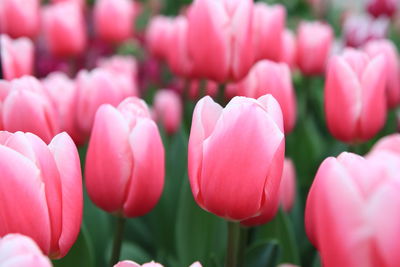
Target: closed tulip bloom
(268, 26)
(16, 57)
(81, 3)
(355, 100)
(19, 18)
(392, 68)
(314, 42)
(223, 28)
(114, 19)
(288, 185)
(158, 35)
(41, 190)
(382, 7)
(64, 29)
(267, 77)
(352, 210)
(236, 158)
(125, 159)
(19, 250)
(168, 109)
(27, 108)
(289, 49)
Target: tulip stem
(117, 244)
(233, 244)
(244, 236)
(221, 94)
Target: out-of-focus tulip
(267, 77)
(389, 143)
(288, 185)
(382, 7)
(16, 57)
(211, 89)
(389, 51)
(287, 265)
(19, 18)
(149, 264)
(41, 190)
(355, 100)
(314, 42)
(236, 158)
(352, 210)
(114, 19)
(27, 108)
(268, 26)
(168, 109)
(125, 159)
(223, 28)
(19, 250)
(81, 3)
(158, 35)
(64, 29)
(289, 49)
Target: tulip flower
(19, 18)
(289, 49)
(223, 28)
(352, 210)
(125, 159)
(158, 36)
(41, 190)
(16, 57)
(64, 29)
(288, 185)
(81, 3)
(168, 109)
(114, 19)
(195, 90)
(20, 250)
(392, 68)
(267, 77)
(389, 143)
(149, 264)
(236, 158)
(4, 90)
(382, 7)
(27, 108)
(268, 26)
(314, 42)
(355, 101)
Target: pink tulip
(211, 89)
(352, 210)
(223, 28)
(114, 19)
(16, 57)
(41, 190)
(314, 42)
(158, 36)
(289, 49)
(81, 3)
(382, 7)
(4, 90)
(389, 51)
(19, 250)
(27, 108)
(390, 143)
(168, 109)
(287, 265)
(355, 101)
(64, 29)
(268, 26)
(149, 264)
(19, 18)
(288, 185)
(236, 158)
(267, 77)
(125, 159)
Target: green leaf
(263, 254)
(133, 252)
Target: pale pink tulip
(168, 110)
(288, 186)
(289, 49)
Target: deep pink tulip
(125, 159)
(41, 190)
(289, 49)
(16, 57)
(314, 42)
(149, 264)
(19, 250)
(114, 19)
(382, 7)
(19, 18)
(288, 186)
(223, 28)
(352, 210)
(268, 26)
(168, 109)
(267, 77)
(392, 68)
(27, 108)
(158, 36)
(236, 158)
(64, 29)
(355, 100)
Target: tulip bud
(236, 158)
(168, 109)
(355, 101)
(20, 250)
(19, 18)
(314, 42)
(41, 190)
(288, 185)
(289, 49)
(158, 36)
(125, 159)
(382, 7)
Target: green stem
(221, 94)
(244, 236)
(233, 244)
(118, 237)
(356, 148)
